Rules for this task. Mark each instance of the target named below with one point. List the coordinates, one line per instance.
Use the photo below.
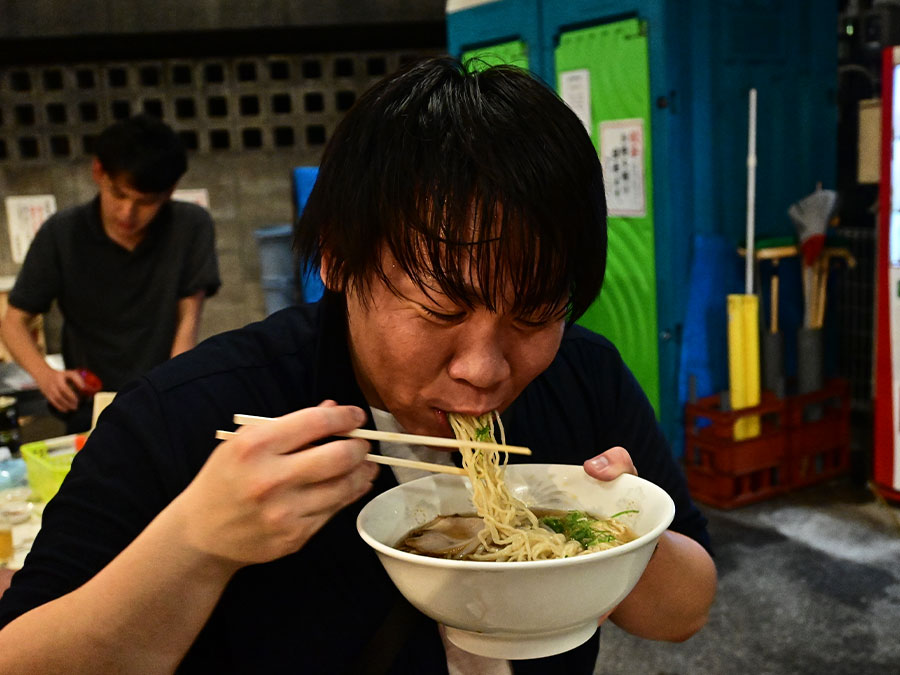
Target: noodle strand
(511, 531)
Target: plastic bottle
(12, 470)
(9, 425)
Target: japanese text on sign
(24, 215)
(622, 156)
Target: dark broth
(455, 537)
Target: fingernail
(359, 415)
(599, 463)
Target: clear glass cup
(14, 510)
(6, 540)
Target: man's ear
(324, 269)
(97, 171)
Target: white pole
(751, 194)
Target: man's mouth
(442, 419)
(442, 414)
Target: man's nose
(480, 358)
(127, 209)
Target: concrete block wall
(248, 120)
(45, 18)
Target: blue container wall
(704, 56)
(788, 51)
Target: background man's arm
(188, 324)
(55, 385)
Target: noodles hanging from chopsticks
(511, 532)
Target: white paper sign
(575, 90)
(24, 215)
(198, 196)
(622, 156)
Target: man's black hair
(483, 185)
(145, 150)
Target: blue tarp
(715, 272)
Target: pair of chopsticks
(394, 437)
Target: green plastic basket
(47, 464)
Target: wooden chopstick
(416, 464)
(383, 459)
(412, 439)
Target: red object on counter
(92, 383)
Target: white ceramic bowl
(518, 610)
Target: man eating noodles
(460, 225)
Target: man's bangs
(487, 203)
(483, 252)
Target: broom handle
(823, 289)
(809, 291)
(773, 299)
(751, 193)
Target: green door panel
(514, 53)
(615, 56)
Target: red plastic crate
(833, 398)
(706, 417)
(727, 491)
(728, 473)
(708, 452)
(819, 450)
(793, 450)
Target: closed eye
(541, 320)
(535, 323)
(444, 317)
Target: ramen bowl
(518, 610)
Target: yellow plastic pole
(743, 361)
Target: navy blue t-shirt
(320, 609)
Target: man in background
(130, 271)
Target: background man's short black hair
(145, 150)
(483, 185)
